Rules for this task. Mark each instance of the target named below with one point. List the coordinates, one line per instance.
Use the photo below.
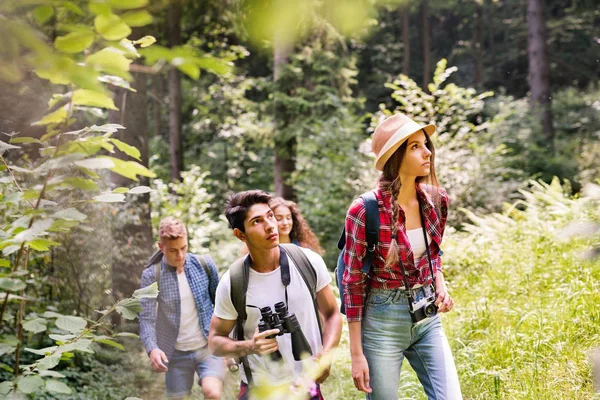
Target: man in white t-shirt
(175, 333)
(254, 223)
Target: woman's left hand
(444, 300)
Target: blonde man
(175, 333)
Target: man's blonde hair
(171, 228)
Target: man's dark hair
(238, 204)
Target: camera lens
(430, 310)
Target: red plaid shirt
(383, 277)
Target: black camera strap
(404, 278)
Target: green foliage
(526, 315)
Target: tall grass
(527, 307)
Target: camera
(286, 322)
(425, 307)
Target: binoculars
(286, 323)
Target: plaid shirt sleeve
(356, 247)
(148, 314)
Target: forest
(117, 113)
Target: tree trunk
(285, 146)
(405, 41)
(132, 235)
(426, 47)
(156, 104)
(478, 47)
(539, 73)
(489, 12)
(175, 136)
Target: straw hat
(391, 133)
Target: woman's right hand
(360, 373)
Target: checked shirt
(383, 277)
(159, 327)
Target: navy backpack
(372, 231)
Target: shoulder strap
(204, 263)
(157, 275)
(238, 277)
(308, 273)
(371, 228)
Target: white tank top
(417, 243)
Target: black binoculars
(286, 323)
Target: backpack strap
(239, 273)
(204, 263)
(371, 228)
(308, 273)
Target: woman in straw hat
(393, 311)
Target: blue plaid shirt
(159, 327)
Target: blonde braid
(393, 256)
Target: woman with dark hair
(393, 310)
(292, 226)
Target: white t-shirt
(266, 289)
(190, 336)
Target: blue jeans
(182, 365)
(389, 335)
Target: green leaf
(42, 352)
(187, 67)
(145, 41)
(8, 250)
(25, 140)
(71, 323)
(120, 190)
(111, 27)
(35, 325)
(53, 374)
(126, 334)
(6, 146)
(126, 148)
(74, 42)
(55, 117)
(38, 228)
(29, 384)
(98, 7)
(81, 183)
(4, 263)
(214, 65)
(61, 338)
(6, 349)
(48, 362)
(42, 244)
(6, 387)
(70, 214)
(128, 4)
(111, 343)
(140, 190)
(110, 61)
(129, 308)
(137, 18)
(11, 284)
(43, 13)
(130, 169)
(71, 6)
(84, 345)
(51, 314)
(150, 291)
(90, 98)
(110, 198)
(96, 163)
(52, 385)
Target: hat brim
(398, 138)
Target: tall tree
(285, 144)
(539, 72)
(174, 39)
(404, 11)
(132, 231)
(477, 45)
(426, 44)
